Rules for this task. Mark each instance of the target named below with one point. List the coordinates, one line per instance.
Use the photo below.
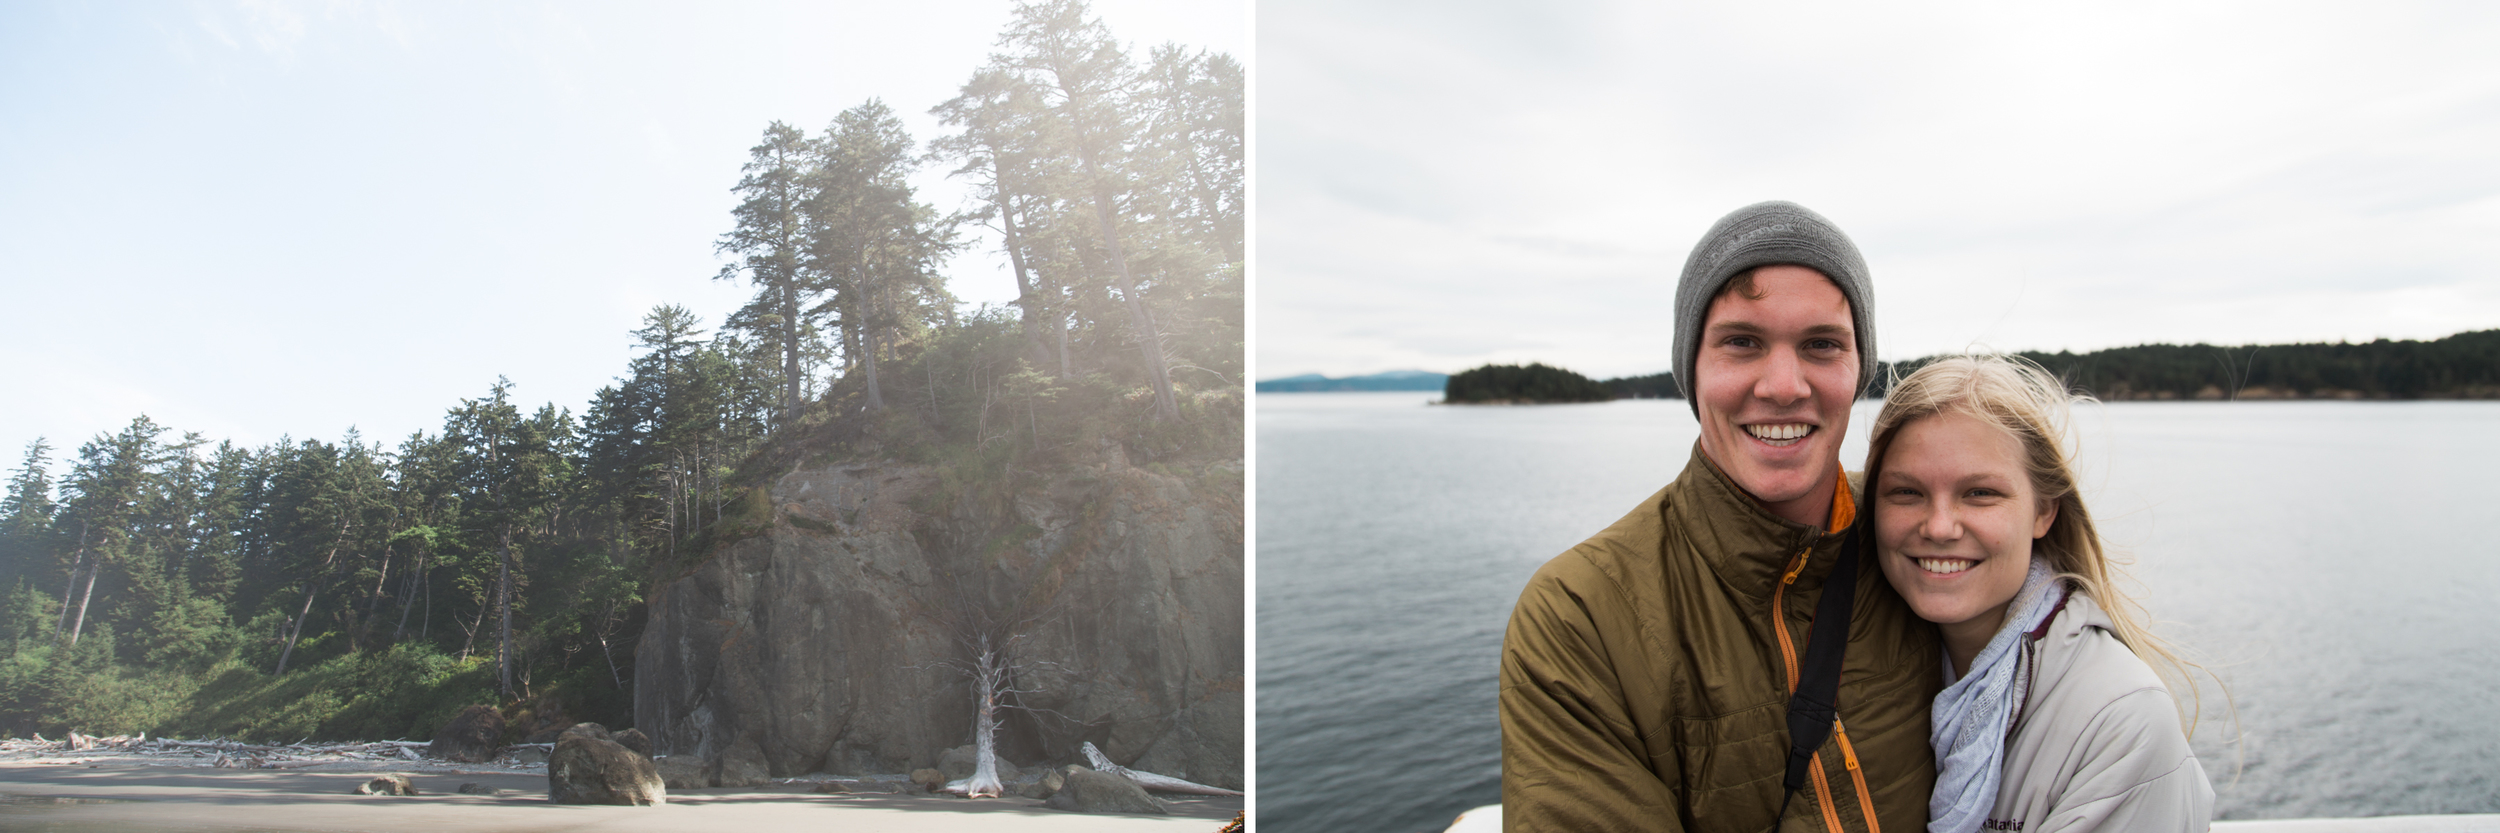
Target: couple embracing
(1766, 645)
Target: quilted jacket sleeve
(2136, 773)
(1571, 757)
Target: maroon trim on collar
(2064, 592)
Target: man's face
(1775, 376)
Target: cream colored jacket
(2097, 745)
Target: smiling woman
(2051, 713)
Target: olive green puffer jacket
(1645, 678)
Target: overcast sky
(1444, 184)
(256, 219)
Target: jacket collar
(1743, 543)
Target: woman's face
(1955, 515)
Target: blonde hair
(2032, 406)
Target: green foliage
(192, 634)
(1522, 384)
(26, 617)
(406, 691)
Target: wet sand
(129, 796)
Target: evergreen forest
(1535, 383)
(2461, 366)
(156, 580)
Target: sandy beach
(91, 796)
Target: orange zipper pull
(1795, 567)
(1848, 754)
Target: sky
(1443, 185)
(259, 219)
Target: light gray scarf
(1974, 714)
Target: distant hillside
(1414, 380)
(1659, 385)
(2461, 366)
(1532, 384)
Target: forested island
(160, 581)
(2461, 366)
(1535, 383)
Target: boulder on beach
(741, 765)
(635, 740)
(684, 772)
(387, 785)
(544, 721)
(474, 736)
(1045, 786)
(587, 768)
(928, 780)
(1087, 791)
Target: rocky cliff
(817, 635)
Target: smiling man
(1648, 672)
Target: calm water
(2334, 563)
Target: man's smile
(1780, 435)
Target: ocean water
(2336, 566)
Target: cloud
(2082, 176)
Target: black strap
(1814, 707)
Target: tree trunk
(407, 600)
(606, 621)
(468, 647)
(373, 603)
(1059, 324)
(426, 631)
(77, 561)
(94, 566)
(69, 593)
(298, 631)
(790, 350)
(876, 398)
(503, 603)
(984, 781)
(1149, 340)
(1028, 297)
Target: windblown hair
(2032, 406)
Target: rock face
(819, 638)
(474, 736)
(1087, 791)
(588, 768)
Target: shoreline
(84, 793)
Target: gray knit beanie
(1767, 234)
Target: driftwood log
(1148, 780)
